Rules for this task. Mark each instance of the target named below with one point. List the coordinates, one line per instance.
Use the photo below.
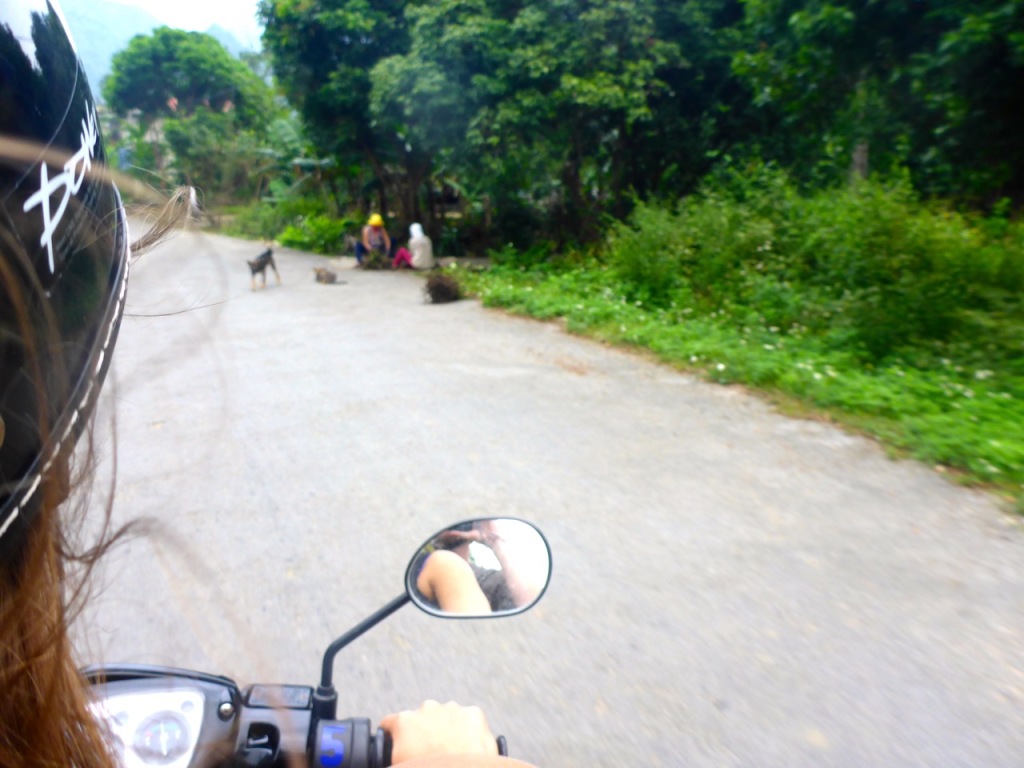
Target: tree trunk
(578, 211)
(336, 194)
(431, 210)
(381, 175)
(620, 171)
(859, 161)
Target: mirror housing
(513, 560)
(487, 567)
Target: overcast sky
(238, 16)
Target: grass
(934, 403)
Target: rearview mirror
(483, 568)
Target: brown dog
(325, 275)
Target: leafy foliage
(267, 219)
(542, 119)
(173, 73)
(319, 233)
(930, 86)
(191, 113)
(211, 152)
(787, 308)
(866, 267)
(322, 54)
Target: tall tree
(705, 110)
(935, 87)
(971, 87)
(212, 109)
(836, 72)
(542, 98)
(322, 55)
(173, 73)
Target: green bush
(902, 318)
(647, 254)
(893, 269)
(319, 234)
(536, 255)
(868, 266)
(266, 219)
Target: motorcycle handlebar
(348, 744)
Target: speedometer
(162, 738)
(159, 727)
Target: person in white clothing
(421, 247)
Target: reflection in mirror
(487, 567)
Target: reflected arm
(447, 580)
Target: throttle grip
(382, 749)
(382, 746)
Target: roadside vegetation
(900, 319)
(820, 200)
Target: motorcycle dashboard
(164, 721)
(158, 727)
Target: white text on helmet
(68, 181)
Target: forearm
(465, 761)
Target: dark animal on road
(259, 266)
(324, 275)
(441, 289)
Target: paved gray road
(731, 587)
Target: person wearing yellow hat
(375, 238)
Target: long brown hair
(45, 719)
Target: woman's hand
(439, 729)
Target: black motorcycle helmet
(63, 257)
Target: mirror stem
(325, 700)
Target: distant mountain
(228, 40)
(100, 29)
